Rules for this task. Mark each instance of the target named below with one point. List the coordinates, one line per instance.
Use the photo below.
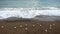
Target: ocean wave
(33, 8)
(28, 12)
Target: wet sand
(29, 27)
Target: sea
(29, 3)
(29, 8)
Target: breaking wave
(28, 12)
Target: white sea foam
(28, 12)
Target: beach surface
(29, 27)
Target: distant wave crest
(38, 8)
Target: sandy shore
(29, 27)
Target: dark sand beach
(29, 27)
